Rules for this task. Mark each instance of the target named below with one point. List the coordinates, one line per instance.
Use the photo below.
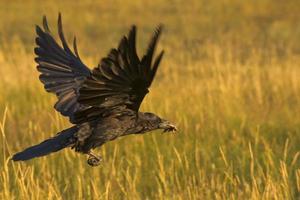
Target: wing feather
(62, 71)
(122, 79)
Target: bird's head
(153, 122)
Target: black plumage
(103, 104)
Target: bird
(102, 104)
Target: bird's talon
(94, 160)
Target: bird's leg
(93, 160)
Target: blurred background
(230, 79)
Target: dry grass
(230, 79)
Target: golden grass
(230, 80)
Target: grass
(230, 80)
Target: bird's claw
(94, 160)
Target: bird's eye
(150, 116)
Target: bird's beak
(167, 126)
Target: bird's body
(103, 104)
(93, 134)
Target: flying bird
(103, 103)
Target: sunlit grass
(236, 101)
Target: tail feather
(56, 143)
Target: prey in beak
(167, 126)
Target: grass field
(230, 80)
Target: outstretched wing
(62, 71)
(122, 79)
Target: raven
(103, 103)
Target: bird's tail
(56, 143)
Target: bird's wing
(122, 79)
(62, 71)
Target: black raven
(103, 104)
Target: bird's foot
(94, 160)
